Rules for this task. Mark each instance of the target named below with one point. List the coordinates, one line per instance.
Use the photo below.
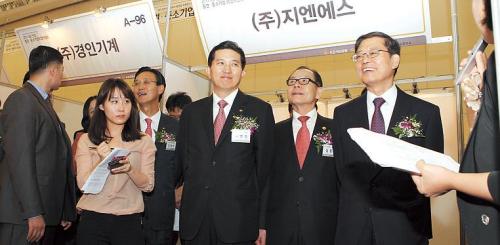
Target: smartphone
(471, 61)
(116, 162)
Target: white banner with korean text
(118, 40)
(283, 29)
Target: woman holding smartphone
(113, 216)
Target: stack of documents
(388, 151)
(98, 177)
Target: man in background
(176, 102)
(148, 87)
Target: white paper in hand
(388, 151)
(98, 177)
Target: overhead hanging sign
(280, 29)
(180, 10)
(115, 41)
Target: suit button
(301, 179)
(207, 187)
(213, 163)
(485, 219)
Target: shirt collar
(229, 98)
(155, 117)
(311, 114)
(40, 90)
(389, 96)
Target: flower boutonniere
(242, 122)
(162, 136)
(322, 138)
(408, 127)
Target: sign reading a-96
(137, 20)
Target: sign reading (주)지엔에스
(284, 28)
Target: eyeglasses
(372, 54)
(301, 81)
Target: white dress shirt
(387, 108)
(229, 100)
(310, 123)
(154, 123)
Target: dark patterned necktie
(378, 125)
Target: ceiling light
(47, 22)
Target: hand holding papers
(97, 178)
(388, 151)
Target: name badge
(327, 150)
(170, 145)
(240, 135)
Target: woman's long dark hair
(86, 114)
(98, 125)
(488, 17)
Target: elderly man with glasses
(302, 206)
(382, 205)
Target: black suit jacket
(384, 201)
(159, 204)
(302, 200)
(479, 218)
(225, 180)
(35, 174)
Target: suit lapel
(161, 124)
(400, 108)
(238, 102)
(312, 152)
(290, 143)
(207, 116)
(360, 113)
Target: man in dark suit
(174, 105)
(224, 152)
(302, 206)
(37, 186)
(382, 205)
(158, 218)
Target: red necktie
(220, 119)
(149, 130)
(302, 141)
(378, 125)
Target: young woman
(113, 215)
